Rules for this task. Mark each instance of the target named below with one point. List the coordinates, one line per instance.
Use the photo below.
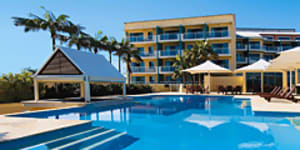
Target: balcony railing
(168, 69)
(143, 69)
(254, 47)
(218, 34)
(193, 35)
(222, 51)
(271, 48)
(169, 53)
(241, 47)
(169, 36)
(152, 54)
(141, 38)
(253, 59)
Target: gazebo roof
(260, 65)
(206, 67)
(67, 64)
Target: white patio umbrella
(207, 67)
(259, 66)
(287, 60)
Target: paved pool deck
(12, 128)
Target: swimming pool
(179, 122)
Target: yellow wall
(223, 80)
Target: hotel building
(161, 40)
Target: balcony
(148, 55)
(141, 39)
(167, 69)
(143, 69)
(272, 49)
(169, 53)
(222, 51)
(254, 48)
(218, 34)
(168, 37)
(241, 47)
(193, 36)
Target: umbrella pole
(209, 81)
(262, 82)
(291, 79)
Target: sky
(19, 50)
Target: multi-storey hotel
(161, 40)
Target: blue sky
(20, 50)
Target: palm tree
(181, 63)
(55, 25)
(199, 53)
(131, 53)
(112, 45)
(120, 51)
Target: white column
(82, 90)
(87, 91)
(262, 82)
(124, 90)
(36, 90)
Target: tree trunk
(110, 57)
(119, 63)
(53, 42)
(128, 70)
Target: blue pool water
(185, 123)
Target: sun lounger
(281, 94)
(275, 89)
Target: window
(254, 57)
(219, 32)
(283, 38)
(150, 36)
(269, 37)
(134, 37)
(194, 33)
(138, 79)
(152, 79)
(189, 46)
(221, 48)
(172, 47)
(288, 78)
(150, 50)
(151, 64)
(268, 57)
(223, 63)
(142, 52)
(272, 79)
(297, 38)
(254, 45)
(240, 45)
(252, 80)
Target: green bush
(16, 87)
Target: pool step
(88, 139)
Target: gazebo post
(124, 89)
(36, 90)
(87, 91)
(82, 90)
(209, 81)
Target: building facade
(161, 40)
